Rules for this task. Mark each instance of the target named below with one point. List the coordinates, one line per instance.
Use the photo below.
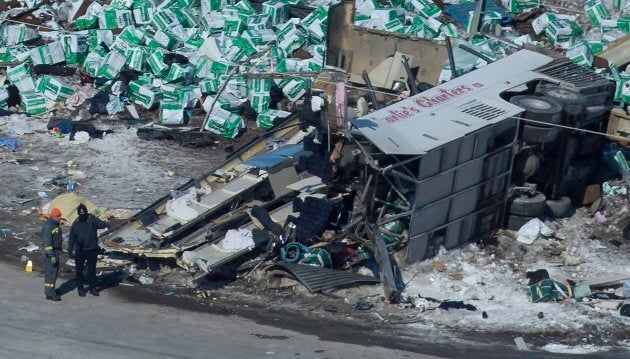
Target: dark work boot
(81, 292)
(94, 292)
(54, 298)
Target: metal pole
(477, 19)
(451, 57)
(411, 80)
(368, 83)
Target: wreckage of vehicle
(441, 168)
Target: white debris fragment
(531, 230)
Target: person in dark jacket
(83, 246)
(51, 237)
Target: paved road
(110, 327)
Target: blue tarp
(275, 157)
(460, 12)
(10, 143)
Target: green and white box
(520, 6)
(260, 102)
(318, 30)
(245, 8)
(562, 32)
(25, 85)
(291, 42)
(163, 39)
(137, 59)
(540, 23)
(278, 11)
(261, 37)
(54, 88)
(426, 9)
(621, 4)
(608, 25)
(16, 34)
(240, 50)
(145, 95)
(622, 90)
(258, 22)
(74, 48)
(171, 113)
(122, 47)
(226, 101)
(132, 35)
(432, 27)
(384, 15)
(581, 54)
(295, 89)
(449, 30)
(233, 26)
(115, 19)
(212, 5)
(19, 72)
(260, 85)
(213, 22)
(183, 72)
(363, 8)
(143, 11)
(156, 62)
(596, 12)
(48, 54)
(395, 26)
(237, 85)
(93, 62)
(33, 103)
(202, 68)
(121, 4)
(112, 65)
(219, 68)
(98, 36)
(266, 119)
(224, 123)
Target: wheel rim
(536, 103)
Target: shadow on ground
(105, 281)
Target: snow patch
(574, 349)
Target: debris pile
(579, 32)
(494, 192)
(169, 57)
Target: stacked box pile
(423, 18)
(219, 40)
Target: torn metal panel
(316, 279)
(447, 112)
(211, 256)
(392, 292)
(307, 185)
(134, 237)
(281, 179)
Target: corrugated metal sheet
(316, 279)
(435, 117)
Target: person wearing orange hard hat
(51, 236)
